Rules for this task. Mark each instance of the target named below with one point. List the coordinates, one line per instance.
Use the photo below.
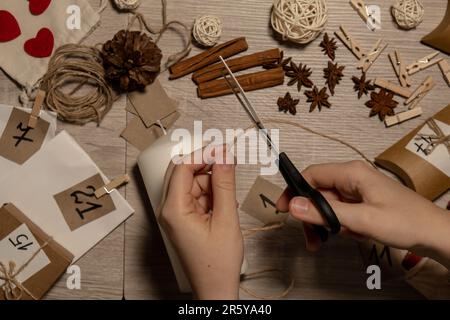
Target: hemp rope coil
(80, 65)
(408, 13)
(299, 21)
(9, 276)
(207, 30)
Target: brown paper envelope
(142, 137)
(38, 284)
(79, 205)
(261, 200)
(153, 104)
(416, 173)
(19, 142)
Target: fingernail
(300, 205)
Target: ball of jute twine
(207, 30)
(408, 13)
(127, 5)
(73, 68)
(299, 21)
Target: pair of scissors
(297, 184)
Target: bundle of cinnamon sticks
(208, 72)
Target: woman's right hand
(372, 205)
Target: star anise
(382, 103)
(333, 73)
(283, 63)
(362, 86)
(317, 98)
(300, 75)
(328, 46)
(287, 104)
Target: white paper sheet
(8, 166)
(58, 166)
(19, 246)
(440, 157)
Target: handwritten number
(386, 251)
(19, 244)
(266, 201)
(92, 205)
(23, 137)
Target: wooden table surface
(132, 261)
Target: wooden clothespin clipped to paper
(424, 63)
(36, 111)
(400, 69)
(402, 117)
(113, 185)
(366, 60)
(420, 93)
(445, 68)
(401, 91)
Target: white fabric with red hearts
(31, 30)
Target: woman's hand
(200, 217)
(371, 205)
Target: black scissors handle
(300, 187)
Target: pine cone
(132, 61)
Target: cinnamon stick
(208, 57)
(249, 82)
(238, 64)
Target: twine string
(258, 274)
(81, 65)
(174, 58)
(436, 139)
(207, 30)
(9, 275)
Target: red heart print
(42, 45)
(38, 7)
(9, 28)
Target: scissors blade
(246, 104)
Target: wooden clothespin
(350, 43)
(423, 63)
(401, 91)
(370, 58)
(361, 8)
(402, 117)
(366, 60)
(420, 93)
(445, 68)
(110, 187)
(36, 111)
(400, 69)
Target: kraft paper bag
(18, 143)
(55, 189)
(39, 258)
(28, 37)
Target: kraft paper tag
(261, 202)
(440, 157)
(18, 141)
(79, 205)
(18, 247)
(395, 264)
(153, 104)
(142, 137)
